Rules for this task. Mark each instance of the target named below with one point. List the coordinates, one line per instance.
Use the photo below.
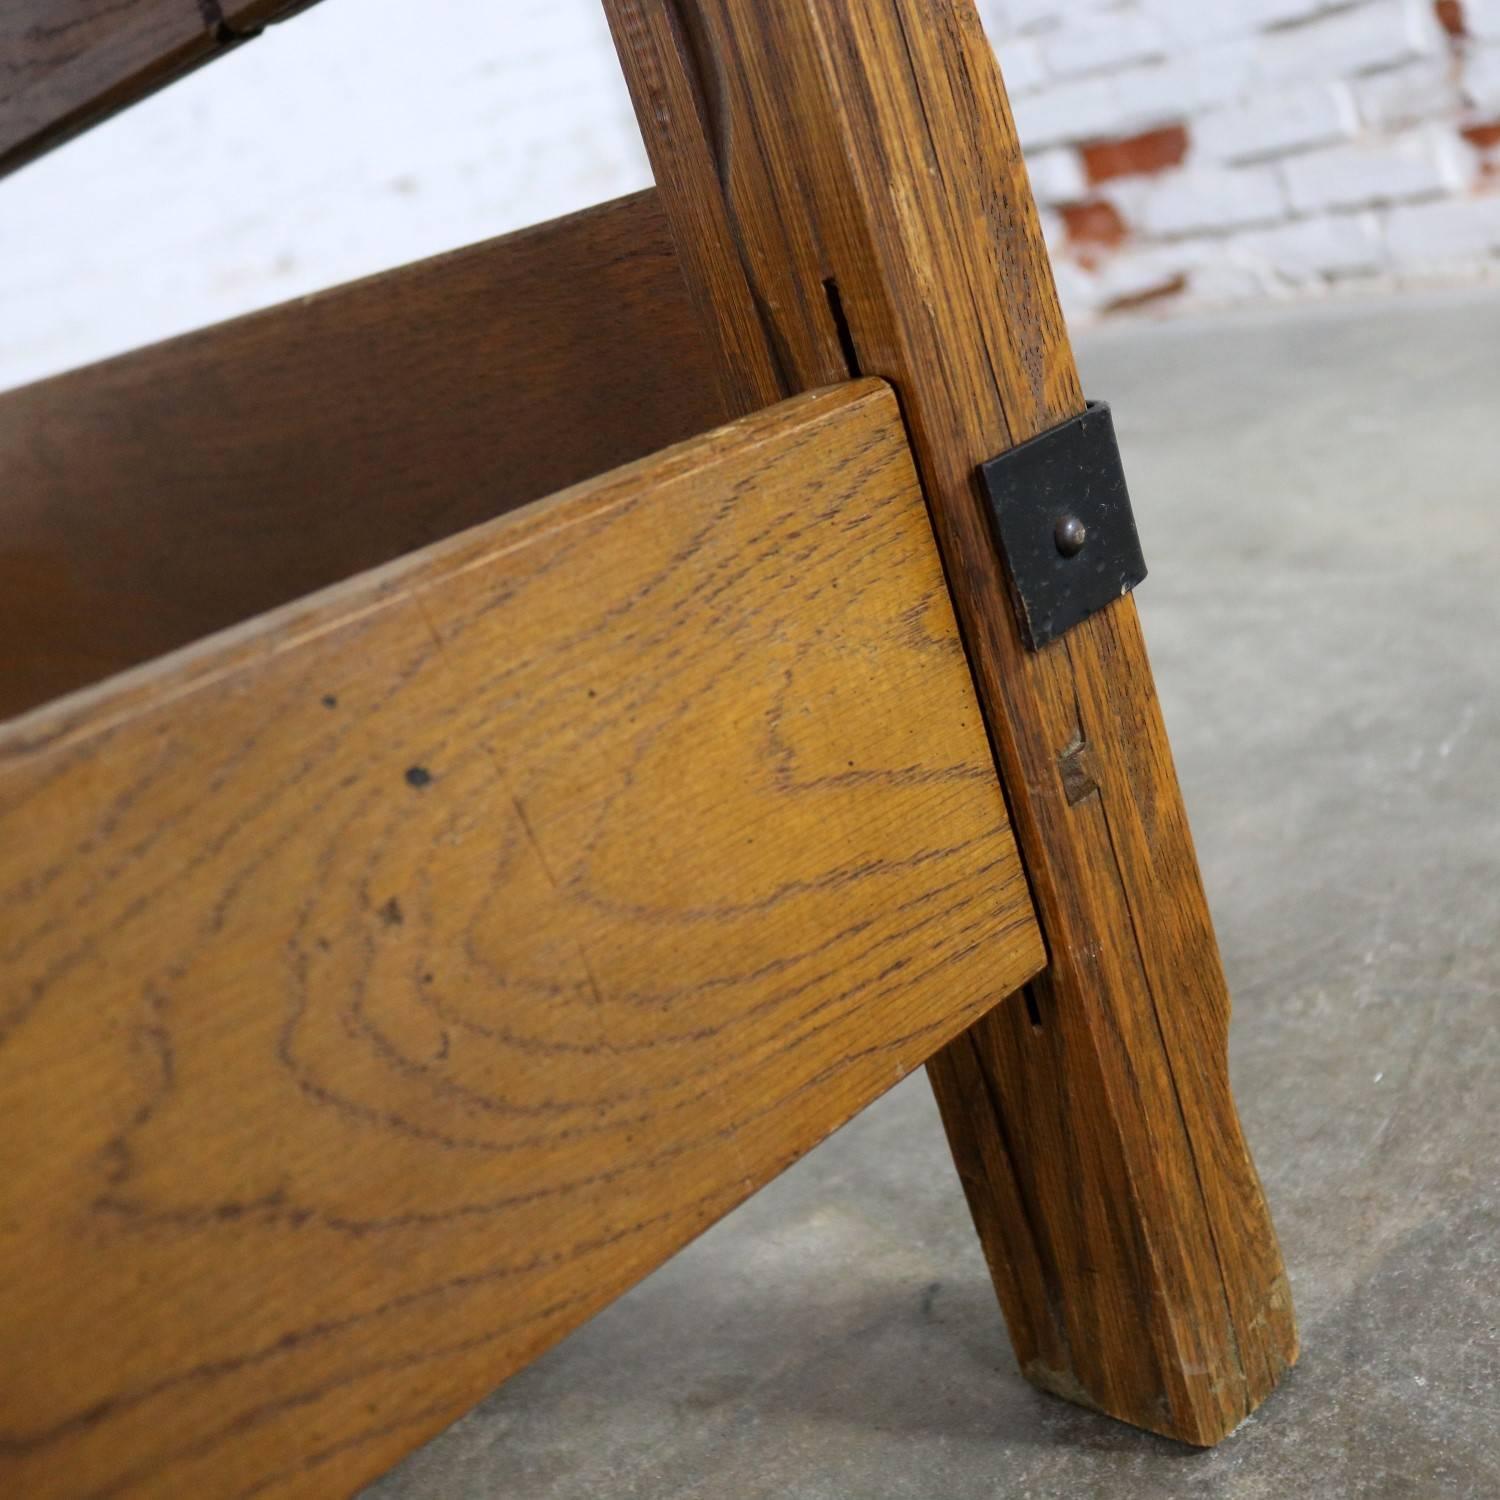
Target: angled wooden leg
(849, 197)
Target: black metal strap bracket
(1061, 516)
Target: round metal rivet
(1070, 536)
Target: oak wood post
(848, 194)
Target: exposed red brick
(1451, 14)
(1151, 294)
(1133, 155)
(1483, 136)
(1094, 223)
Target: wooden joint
(1074, 767)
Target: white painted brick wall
(1421, 164)
(1299, 144)
(1481, 80)
(1103, 41)
(1306, 250)
(1426, 235)
(1025, 71)
(1023, 15)
(1182, 86)
(1277, 122)
(1057, 177)
(1081, 109)
(1397, 97)
(1345, 43)
(1255, 148)
(1483, 18)
(1192, 23)
(1211, 199)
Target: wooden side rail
(154, 498)
(388, 984)
(66, 64)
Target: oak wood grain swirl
(845, 175)
(154, 498)
(388, 984)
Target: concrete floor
(1319, 497)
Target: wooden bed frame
(504, 757)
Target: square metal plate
(1061, 515)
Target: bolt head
(1070, 536)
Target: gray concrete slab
(1319, 496)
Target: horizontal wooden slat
(66, 64)
(390, 984)
(149, 500)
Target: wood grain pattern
(154, 498)
(875, 213)
(386, 986)
(66, 64)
